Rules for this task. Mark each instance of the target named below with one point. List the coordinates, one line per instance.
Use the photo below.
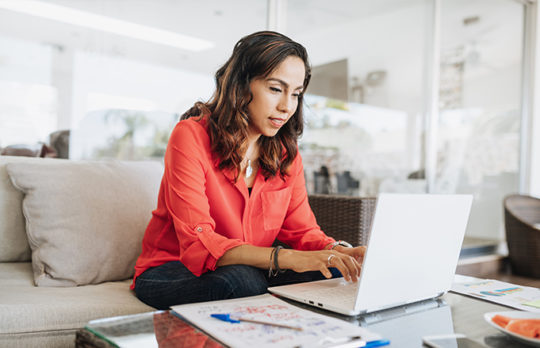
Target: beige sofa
(70, 232)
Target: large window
(366, 101)
(28, 98)
(126, 109)
(480, 106)
(114, 73)
(369, 107)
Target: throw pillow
(85, 220)
(13, 242)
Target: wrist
(284, 258)
(339, 245)
(339, 248)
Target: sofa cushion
(26, 308)
(13, 242)
(85, 220)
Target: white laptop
(412, 255)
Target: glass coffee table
(452, 313)
(143, 330)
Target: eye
(275, 89)
(296, 95)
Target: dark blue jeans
(172, 283)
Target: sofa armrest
(344, 217)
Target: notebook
(412, 254)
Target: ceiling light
(107, 24)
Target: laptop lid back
(413, 249)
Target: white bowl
(515, 315)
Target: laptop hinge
(405, 309)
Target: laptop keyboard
(341, 295)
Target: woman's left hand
(356, 252)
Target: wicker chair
(343, 217)
(522, 222)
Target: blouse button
(199, 229)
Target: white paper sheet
(318, 330)
(137, 341)
(507, 294)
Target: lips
(277, 122)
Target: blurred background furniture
(522, 224)
(321, 180)
(346, 184)
(58, 147)
(343, 217)
(33, 150)
(59, 141)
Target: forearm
(246, 255)
(258, 257)
(299, 261)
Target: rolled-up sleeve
(186, 163)
(300, 229)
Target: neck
(252, 147)
(252, 139)
(252, 151)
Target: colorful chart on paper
(507, 294)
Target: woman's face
(275, 97)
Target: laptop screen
(413, 248)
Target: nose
(287, 104)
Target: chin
(270, 132)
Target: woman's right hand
(320, 260)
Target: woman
(233, 183)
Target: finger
(357, 265)
(338, 263)
(357, 262)
(352, 266)
(326, 272)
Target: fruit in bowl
(525, 327)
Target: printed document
(516, 296)
(317, 330)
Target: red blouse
(202, 212)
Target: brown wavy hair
(254, 56)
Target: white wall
(25, 61)
(170, 90)
(394, 42)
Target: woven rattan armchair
(522, 223)
(343, 217)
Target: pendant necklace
(249, 170)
